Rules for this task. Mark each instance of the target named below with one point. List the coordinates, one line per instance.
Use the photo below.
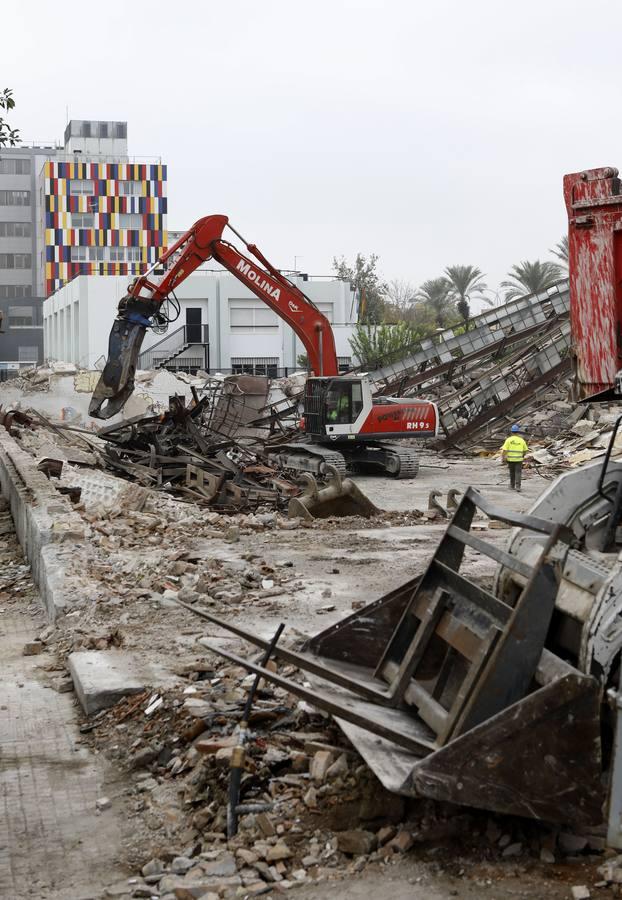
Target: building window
(15, 229)
(131, 188)
(120, 129)
(21, 317)
(86, 129)
(15, 291)
(345, 363)
(81, 187)
(255, 366)
(12, 166)
(103, 129)
(252, 316)
(82, 220)
(27, 354)
(15, 261)
(106, 254)
(326, 308)
(14, 198)
(130, 220)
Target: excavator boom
(140, 308)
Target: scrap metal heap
(197, 451)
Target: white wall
(78, 318)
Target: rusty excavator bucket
(449, 692)
(339, 497)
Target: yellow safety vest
(515, 448)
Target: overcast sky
(429, 133)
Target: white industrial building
(222, 326)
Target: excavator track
(407, 457)
(312, 458)
(395, 460)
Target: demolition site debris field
(147, 714)
(332, 819)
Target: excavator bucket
(339, 497)
(116, 382)
(449, 692)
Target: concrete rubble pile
(561, 434)
(321, 815)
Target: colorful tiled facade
(102, 218)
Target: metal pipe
(238, 755)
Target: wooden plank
(500, 556)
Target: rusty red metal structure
(594, 204)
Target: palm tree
(464, 281)
(435, 294)
(560, 250)
(531, 277)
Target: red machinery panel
(406, 417)
(594, 207)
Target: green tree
(366, 279)
(560, 250)
(378, 345)
(435, 294)
(302, 360)
(531, 277)
(464, 281)
(8, 136)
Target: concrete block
(41, 516)
(102, 677)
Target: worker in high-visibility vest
(340, 411)
(513, 453)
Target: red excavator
(343, 422)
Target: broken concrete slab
(102, 677)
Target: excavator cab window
(344, 402)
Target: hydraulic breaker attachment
(116, 382)
(340, 497)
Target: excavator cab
(332, 406)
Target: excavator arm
(140, 308)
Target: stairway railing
(172, 345)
